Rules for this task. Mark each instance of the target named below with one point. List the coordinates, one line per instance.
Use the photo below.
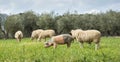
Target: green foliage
(107, 23)
(27, 51)
(64, 22)
(2, 26)
(13, 23)
(46, 21)
(29, 22)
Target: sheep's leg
(18, 40)
(96, 46)
(77, 39)
(74, 40)
(81, 44)
(45, 39)
(32, 39)
(39, 38)
(36, 39)
(89, 43)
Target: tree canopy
(107, 23)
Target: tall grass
(27, 51)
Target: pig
(59, 39)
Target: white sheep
(18, 35)
(35, 34)
(75, 32)
(46, 33)
(88, 36)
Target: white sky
(58, 6)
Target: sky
(58, 6)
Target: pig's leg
(68, 45)
(54, 45)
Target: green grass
(27, 51)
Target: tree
(29, 20)
(65, 23)
(12, 24)
(47, 21)
(2, 23)
(107, 23)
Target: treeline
(108, 23)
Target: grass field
(27, 51)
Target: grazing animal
(75, 32)
(35, 34)
(88, 36)
(46, 33)
(59, 39)
(18, 35)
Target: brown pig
(59, 39)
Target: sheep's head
(73, 33)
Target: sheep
(59, 39)
(88, 36)
(35, 34)
(46, 33)
(18, 35)
(75, 32)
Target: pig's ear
(46, 43)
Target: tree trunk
(5, 35)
